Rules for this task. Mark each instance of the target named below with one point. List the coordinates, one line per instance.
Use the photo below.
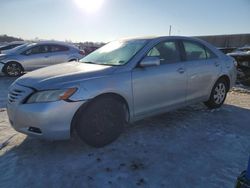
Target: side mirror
(150, 61)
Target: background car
(11, 45)
(226, 50)
(123, 81)
(242, 56)
(32, 56)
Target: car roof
(17, 42)
(160, 38)
(244, 48)
(56, 43)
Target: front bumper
(53, 119)
(1, 68)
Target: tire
(13, 69)
(218, 94)
(72, 60)
(101, 122)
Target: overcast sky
(68, 20)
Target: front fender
(119, 84)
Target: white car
(123, 81)
(32, 56)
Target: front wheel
(218, 94)
(101, 122)
(13, 69)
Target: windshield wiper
(107, 64)
(88, 62)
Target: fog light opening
(35, 130)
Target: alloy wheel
(219, 93)
(13, 69)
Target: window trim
(199, 44)
(177, 41)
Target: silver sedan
(32, 56)
(124, 81)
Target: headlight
(3, 57)
(51, 95)
(235, 63)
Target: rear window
(37, 50)
(210, 54)
(195, 51)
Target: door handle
(181, 70)
(46, 56)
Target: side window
(37, 50)
(167, 52)
(194, 51)
(210, 54)
(58, 48)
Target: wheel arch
(72, 59)
(227, 79)
(85, 105)
(12, 61)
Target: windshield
(115, 53)
(21, 47)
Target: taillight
(235, 63)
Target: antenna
(170, 30)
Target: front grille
(14, 95)
(35, 130)
(18, 93)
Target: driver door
(36, 57)
(159, 88)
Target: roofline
(157, 37)
(55, 42)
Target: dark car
(226, 50)
(242, 56)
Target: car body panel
(160, 86)
(57, 76)
(198, 73)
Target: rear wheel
(101, 122)
(13, 69)
(218, 94)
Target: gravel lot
(190, 147)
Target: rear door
(159, 87)
(58, 53)
(203, 69)
(36, 57)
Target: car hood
(64, 74)
(3, 56)
(239, 53)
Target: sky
(106, 20)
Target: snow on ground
(190, 147)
